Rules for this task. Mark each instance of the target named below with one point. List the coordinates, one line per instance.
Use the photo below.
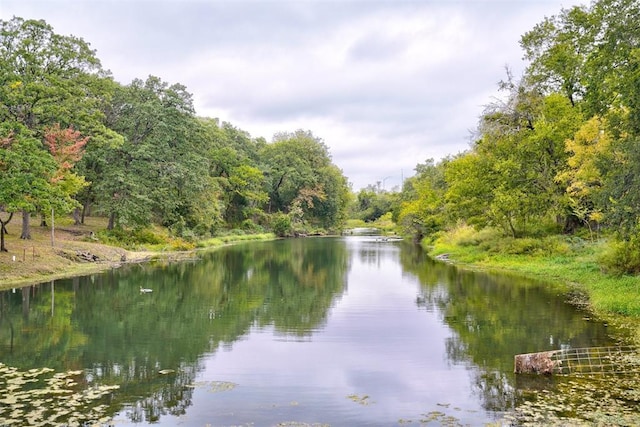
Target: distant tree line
(72, 139)
(561, 150)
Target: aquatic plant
(40, 397)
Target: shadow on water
(155, 345)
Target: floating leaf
(362, 400)
(37, 398)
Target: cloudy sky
(385, 84)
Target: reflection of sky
(376, 343)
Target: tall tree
(291, 160)
(234, 167)
(26, 172)
(161, 166)
(301, 178)
(66, 147)
(421, 212)
(47, 78)
(558, 49)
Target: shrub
(131, 238)
(622, 256)
(251, 227)
(281, 225)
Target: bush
(130, 238)
(281, 225)
(251, 227)
(622, 257)
(493, 241)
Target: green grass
(566, 262)
(231, 238)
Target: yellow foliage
(588, 144)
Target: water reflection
(297, 325)
(104, 325)
(496, 316)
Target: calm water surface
(337, 331)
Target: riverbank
(569, 264)
(75, 251)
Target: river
(347, 331)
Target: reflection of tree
(102, 323)
(33, 333)
(495, 317)
(303, 280)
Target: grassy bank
(84, 249)
(569, 263)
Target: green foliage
(355, 223)
(385, 223)
(47, 78)
(281, 224)
(492, 241)
(371, 204)
(421, 210)
(302, 181)
(131, 238)
(160, 169)
(622, 256)
(249, 226)
(26, 169)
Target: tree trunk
(86, 211)
(2, 248)
(26, 229)
(112, 221)
(3, 231)
(43, 220)
(76, 217)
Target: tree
(558, 49)
(583, 177)
(290, 162)
(301, 179)
(66, 147)
(233, 164)
(161, 166)
(46, 78)
(330, 211)
(26, 172)
(421, 212)
(470, 181)
(521, 149)
(613, 75)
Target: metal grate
(596, 360)
(591, 360)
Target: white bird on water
(145, 290)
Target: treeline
(74, 140)
(560, 152)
